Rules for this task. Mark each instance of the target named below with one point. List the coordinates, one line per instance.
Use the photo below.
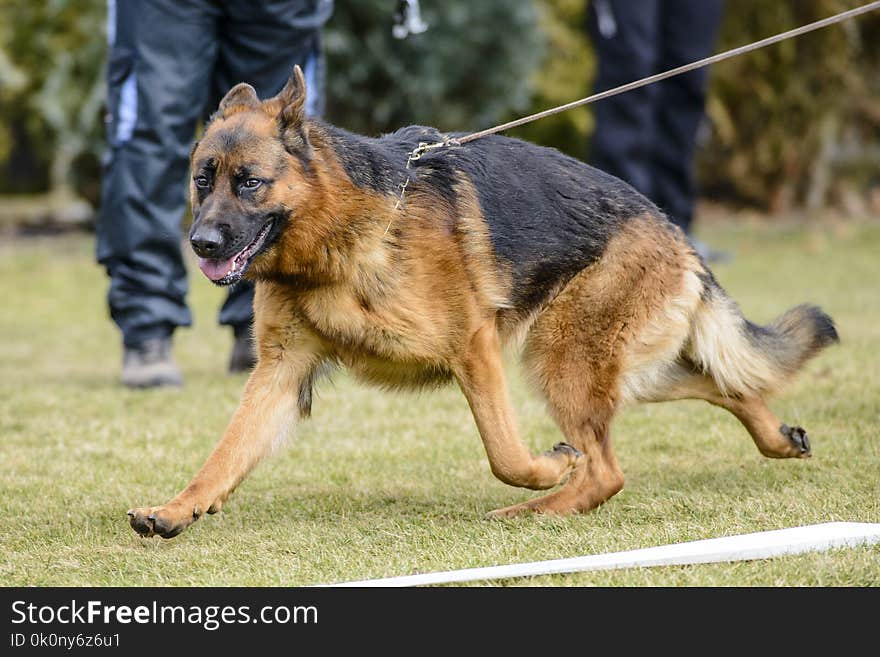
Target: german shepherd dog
(491, 243)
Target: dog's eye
(252, 183)
(202, 182)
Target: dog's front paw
(799, 439)
(166, 521)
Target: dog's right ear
(240, 98)
(291, 100)
(289, 107)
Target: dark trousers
(647, 137)
(170, 63)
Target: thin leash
(425, 147)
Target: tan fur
(410, 294)
(599, 340)
(719, 346)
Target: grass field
(377, 484)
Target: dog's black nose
(206, 241)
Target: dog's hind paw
(165, 521)
(571, 456)
(798, 437)
(566, 449)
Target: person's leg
(688, 31)
(260, 45)
(625, 34)
(161, 56)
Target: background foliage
(472, 67)
(790, 126)
(51, 93)
(797, 123)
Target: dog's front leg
(481, 376)
(267, 412)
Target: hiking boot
(149, 365)
(244, 355)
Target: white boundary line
(744, 547)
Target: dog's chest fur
(388, 343)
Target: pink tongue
(215, 269)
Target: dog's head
(247, 172)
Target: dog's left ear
(291, 103)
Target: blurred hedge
(790, 120)
(472, 67)
(792, 125)
(51, 93)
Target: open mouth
(227, 272)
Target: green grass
(379, 484)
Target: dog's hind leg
(597, 340)
(735, 364)
(772, 437)
(596, 479)
(580, 387)
(481, 377)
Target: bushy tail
(743, 357)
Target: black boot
(244, 355)
(150, 365)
